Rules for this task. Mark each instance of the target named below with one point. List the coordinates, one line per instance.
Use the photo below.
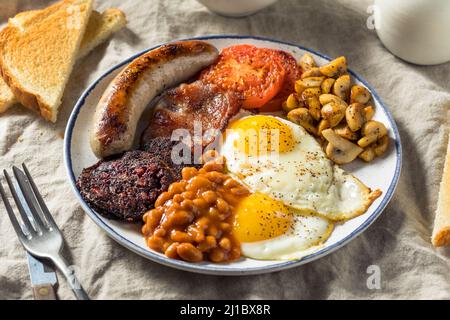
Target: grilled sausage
(127, 96)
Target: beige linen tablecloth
(398, 242)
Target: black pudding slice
(125, 188)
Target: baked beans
(192, 220)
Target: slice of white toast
(441, 232)
(100, 27)
(37, 56)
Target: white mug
(236, 8)
(417, 31)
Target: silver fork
(40, 236)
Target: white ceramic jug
(417, 31)
(236, 8)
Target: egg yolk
(260, 134)
(259, 217)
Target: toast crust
(441, 232)
(31, 101)
(442, 238)
(7, 98)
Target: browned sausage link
(114, 120)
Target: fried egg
(269, 230)
(278, 158)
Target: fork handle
(73, 281)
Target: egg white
(303, 178)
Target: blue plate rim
(218, 270)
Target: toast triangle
(100, 27)
(38, 54)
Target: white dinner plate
(383, 173)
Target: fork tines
(35, 215)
